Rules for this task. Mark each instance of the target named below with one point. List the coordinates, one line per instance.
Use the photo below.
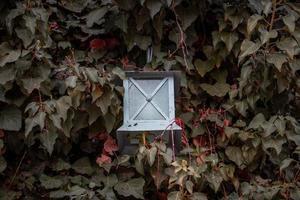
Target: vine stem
(182, 44)
(274, 3)
(17, 170)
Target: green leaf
(218, 89)
(7, 54)
(75, 5)
(295, 65)
(252, 22)
(198, 196)
(214, 179)
(38, 119)
(3, 164)
(133, 187)
(175, 195)
(235, 154)
(277, 59)
(60, 165)
(48, 139)
(273, 143)
(229, 38)
(95, 16)
(94, 113)
(154, 7)
(151, 155)
(10, 118)
(122, 23)
(289, 21)
(30, 23)
(50, 182)
(7, 73)
(57, 194)
(187, 15)
(109, 122)
(189, 186)
(288, 45)
(257, 121)
(38, 75)
(247, 48)
(203, 67)
(25, 35)
(268, 127)
(265, 35)
(285, 163)
(167, 156)
(83, 166)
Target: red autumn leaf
(162, 196)
(112, 43)
(53, 26)
(226, 122)
(200, 159)
(180, 123)
(97, 44)
(1, 133)
(102, 136)
(103, 159)
(110, 145)
(199, 141)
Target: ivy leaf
(247, 48)
(273, 143)
(268, 127)
(57, 194)
(121, 22)
(154, 7)
(95, 16)
(7, 73)
(3, 164)
(25, 35)
(288, 45)
(257, 121)
(10, 118)
(285, 163)
(175, 195)
(229, 38)
(235, 154)
(48, 139)
(214, 179)
(74, 5)
(198, 196)
(265, 35)
(109, 120)
(133, 187)
(151, 154)
(31, 122)
(7, 54)
(30, 23)
(50, 182)
(218, 89)
(289, 21)
(60, 165)
(277, 59)
(203, 67)
(83, 166)
(295, 65)
(252, 22)
(37, 76)
(187, 15)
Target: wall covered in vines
(61, 68)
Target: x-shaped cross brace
(148, 98)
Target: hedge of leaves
(61, 68)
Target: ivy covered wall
(61, 68)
